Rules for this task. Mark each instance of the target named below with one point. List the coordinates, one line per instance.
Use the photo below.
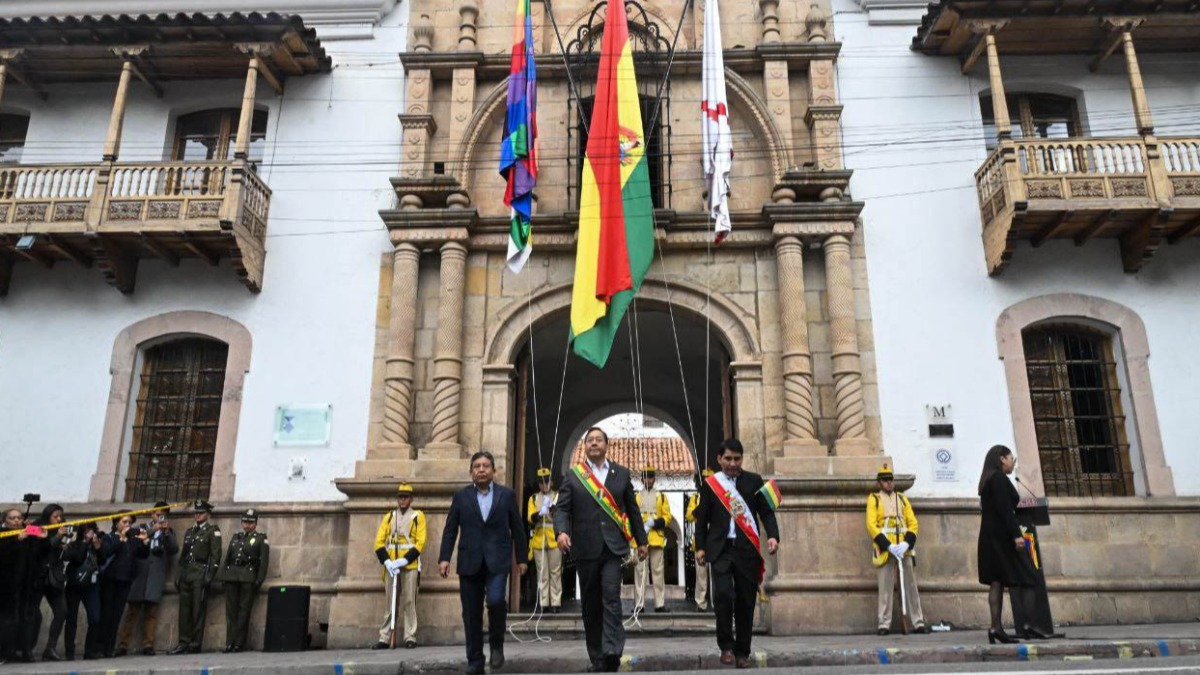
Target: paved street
(1093, 650)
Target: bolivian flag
(616, 217)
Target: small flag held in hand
(770, 491)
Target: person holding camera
(198, 564)
(244, 571)
(12, 571)
(148, 584)
(128, 544)
(44, 579)
(84, 557)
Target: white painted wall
(333, 143)
(913, 137)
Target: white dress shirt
(601, 471)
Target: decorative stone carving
(1043, 189)
(1130, 187)
(169, 210)
(423, 34)
(126, 210)
(4, 208)
(206, 208)
(398, 400)
(797, 359)
(1185, 186)
(32, 213)
(447, 366)
(1086, 187)
(69, 211)
(847, 369)
(467, 13)
(814, 23)
(770, 20)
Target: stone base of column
(830, 465)
(804, 447)
(852, 447)
(386, 460)
(440, 461)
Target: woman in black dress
(1004, 560)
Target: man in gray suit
(599, 544)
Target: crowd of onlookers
(117, 576)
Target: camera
(31, 497)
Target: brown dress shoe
(727, 658)
(743, 662)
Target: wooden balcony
(1140, 190)
(112, 214)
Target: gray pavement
(1108, 647)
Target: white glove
(545, 510)
(895, 550)
(394, 566)
(902, 548)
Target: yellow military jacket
(890, 520)
(689, 514)
(659, 508)
(398, 545)
(543, 527)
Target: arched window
(1077, 411)
(13, 129)
(1034, 116)
(210, 135)
(175, 425)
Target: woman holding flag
(727, 537)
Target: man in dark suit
(492, 530)
(600, 546)
(736, 562)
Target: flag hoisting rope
(518, 150)
(718, 143)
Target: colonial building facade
(299, 218)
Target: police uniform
(199, 561)
(243, 573)
(891, 522)
(656, 514)
(543, 545)
(689, 515)
(401, 535)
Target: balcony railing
(165, 209)
(1139, 189)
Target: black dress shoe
(195, 649)
(595, 667)
(1033, 632)
(179, 649)
(661, 610)
(410, 644)
(121, 651)
(380, 645)
(108, 654)
(474, 669)
(228, 649)
(50, 655)
(922, 629)
(612, 663)
(883, 631)
(148, 651)
(555, 610)
(497, 659)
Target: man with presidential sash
(543, 545)
(892, 526)
(597, 519)
(656, 515)
(701, 594)
(728, 538)
(398, 544)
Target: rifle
(904, 623)
(392, 612)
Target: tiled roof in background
(670, 456)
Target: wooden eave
(952, 28)
(739, 60)
(54, 50)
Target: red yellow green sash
(740, 516)
(604, 498)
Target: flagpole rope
(667, 72)
(563, 52)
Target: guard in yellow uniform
(656, 514)
(893, 529)
(701, 570)
(543, 545)
(398, 545)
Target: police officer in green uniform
(243, 572)
(199, 560)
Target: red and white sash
(742, 515)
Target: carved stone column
(776, 85)
(799, 424)
(447, 360)
(770, 20)
(398, 401)
(419, 125)
(462, 91)
(847, 367)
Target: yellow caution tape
(85, 521)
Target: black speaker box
(287, 619)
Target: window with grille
(175, 428)
(1077, 412)
(1033, 116)
(655, 154)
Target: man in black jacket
(729, 546)
(591, 533)
(492, 530)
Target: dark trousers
(600, 595)
(193, 605)
(32, 619)
(90, 598)
(472, 590)
(9, 623)
(239, 601)
(113, 595)
(735, 590)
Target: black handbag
(87, 574)
(56, 575)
